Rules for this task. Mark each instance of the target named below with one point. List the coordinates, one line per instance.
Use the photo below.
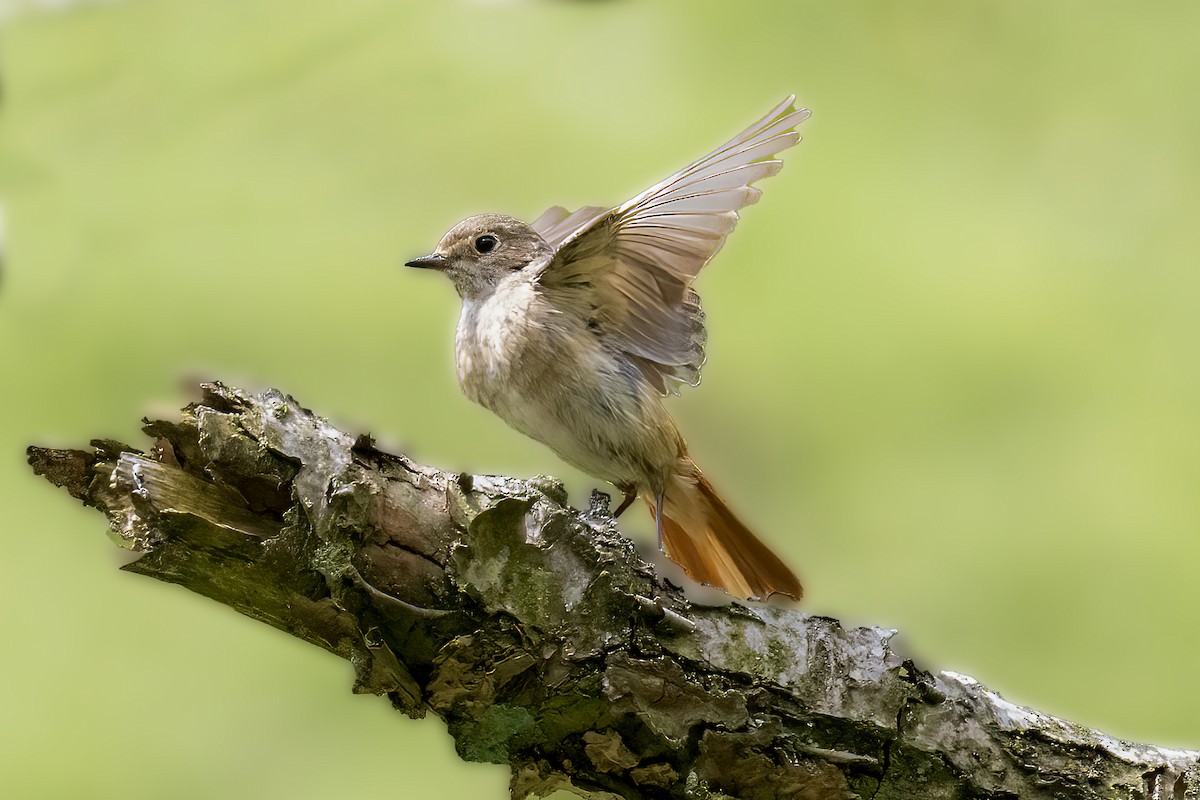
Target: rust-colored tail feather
(703, 536)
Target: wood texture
(541, 639)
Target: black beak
(431, 261)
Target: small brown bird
(575, 327)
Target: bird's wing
(628, 270)
(556, 223)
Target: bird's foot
(631, 494)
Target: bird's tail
(701, 534)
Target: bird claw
(631, 494)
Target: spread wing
(628, 271)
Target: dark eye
(486, 243)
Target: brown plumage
(702, 535)
(574, 327)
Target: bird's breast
(494, 335)
(550, 378)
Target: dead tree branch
(542, 641)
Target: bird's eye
(486, 243)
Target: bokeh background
(953, 366)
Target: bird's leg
(658, 517)
(630, 491)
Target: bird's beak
(431, 261)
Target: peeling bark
(543, 642)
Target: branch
(540, 638)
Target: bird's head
(480, 252)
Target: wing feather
(629, 270)
(556, 223)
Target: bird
(575, 327)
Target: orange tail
(701, 534)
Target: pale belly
(561, 388)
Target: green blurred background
(952, 371)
